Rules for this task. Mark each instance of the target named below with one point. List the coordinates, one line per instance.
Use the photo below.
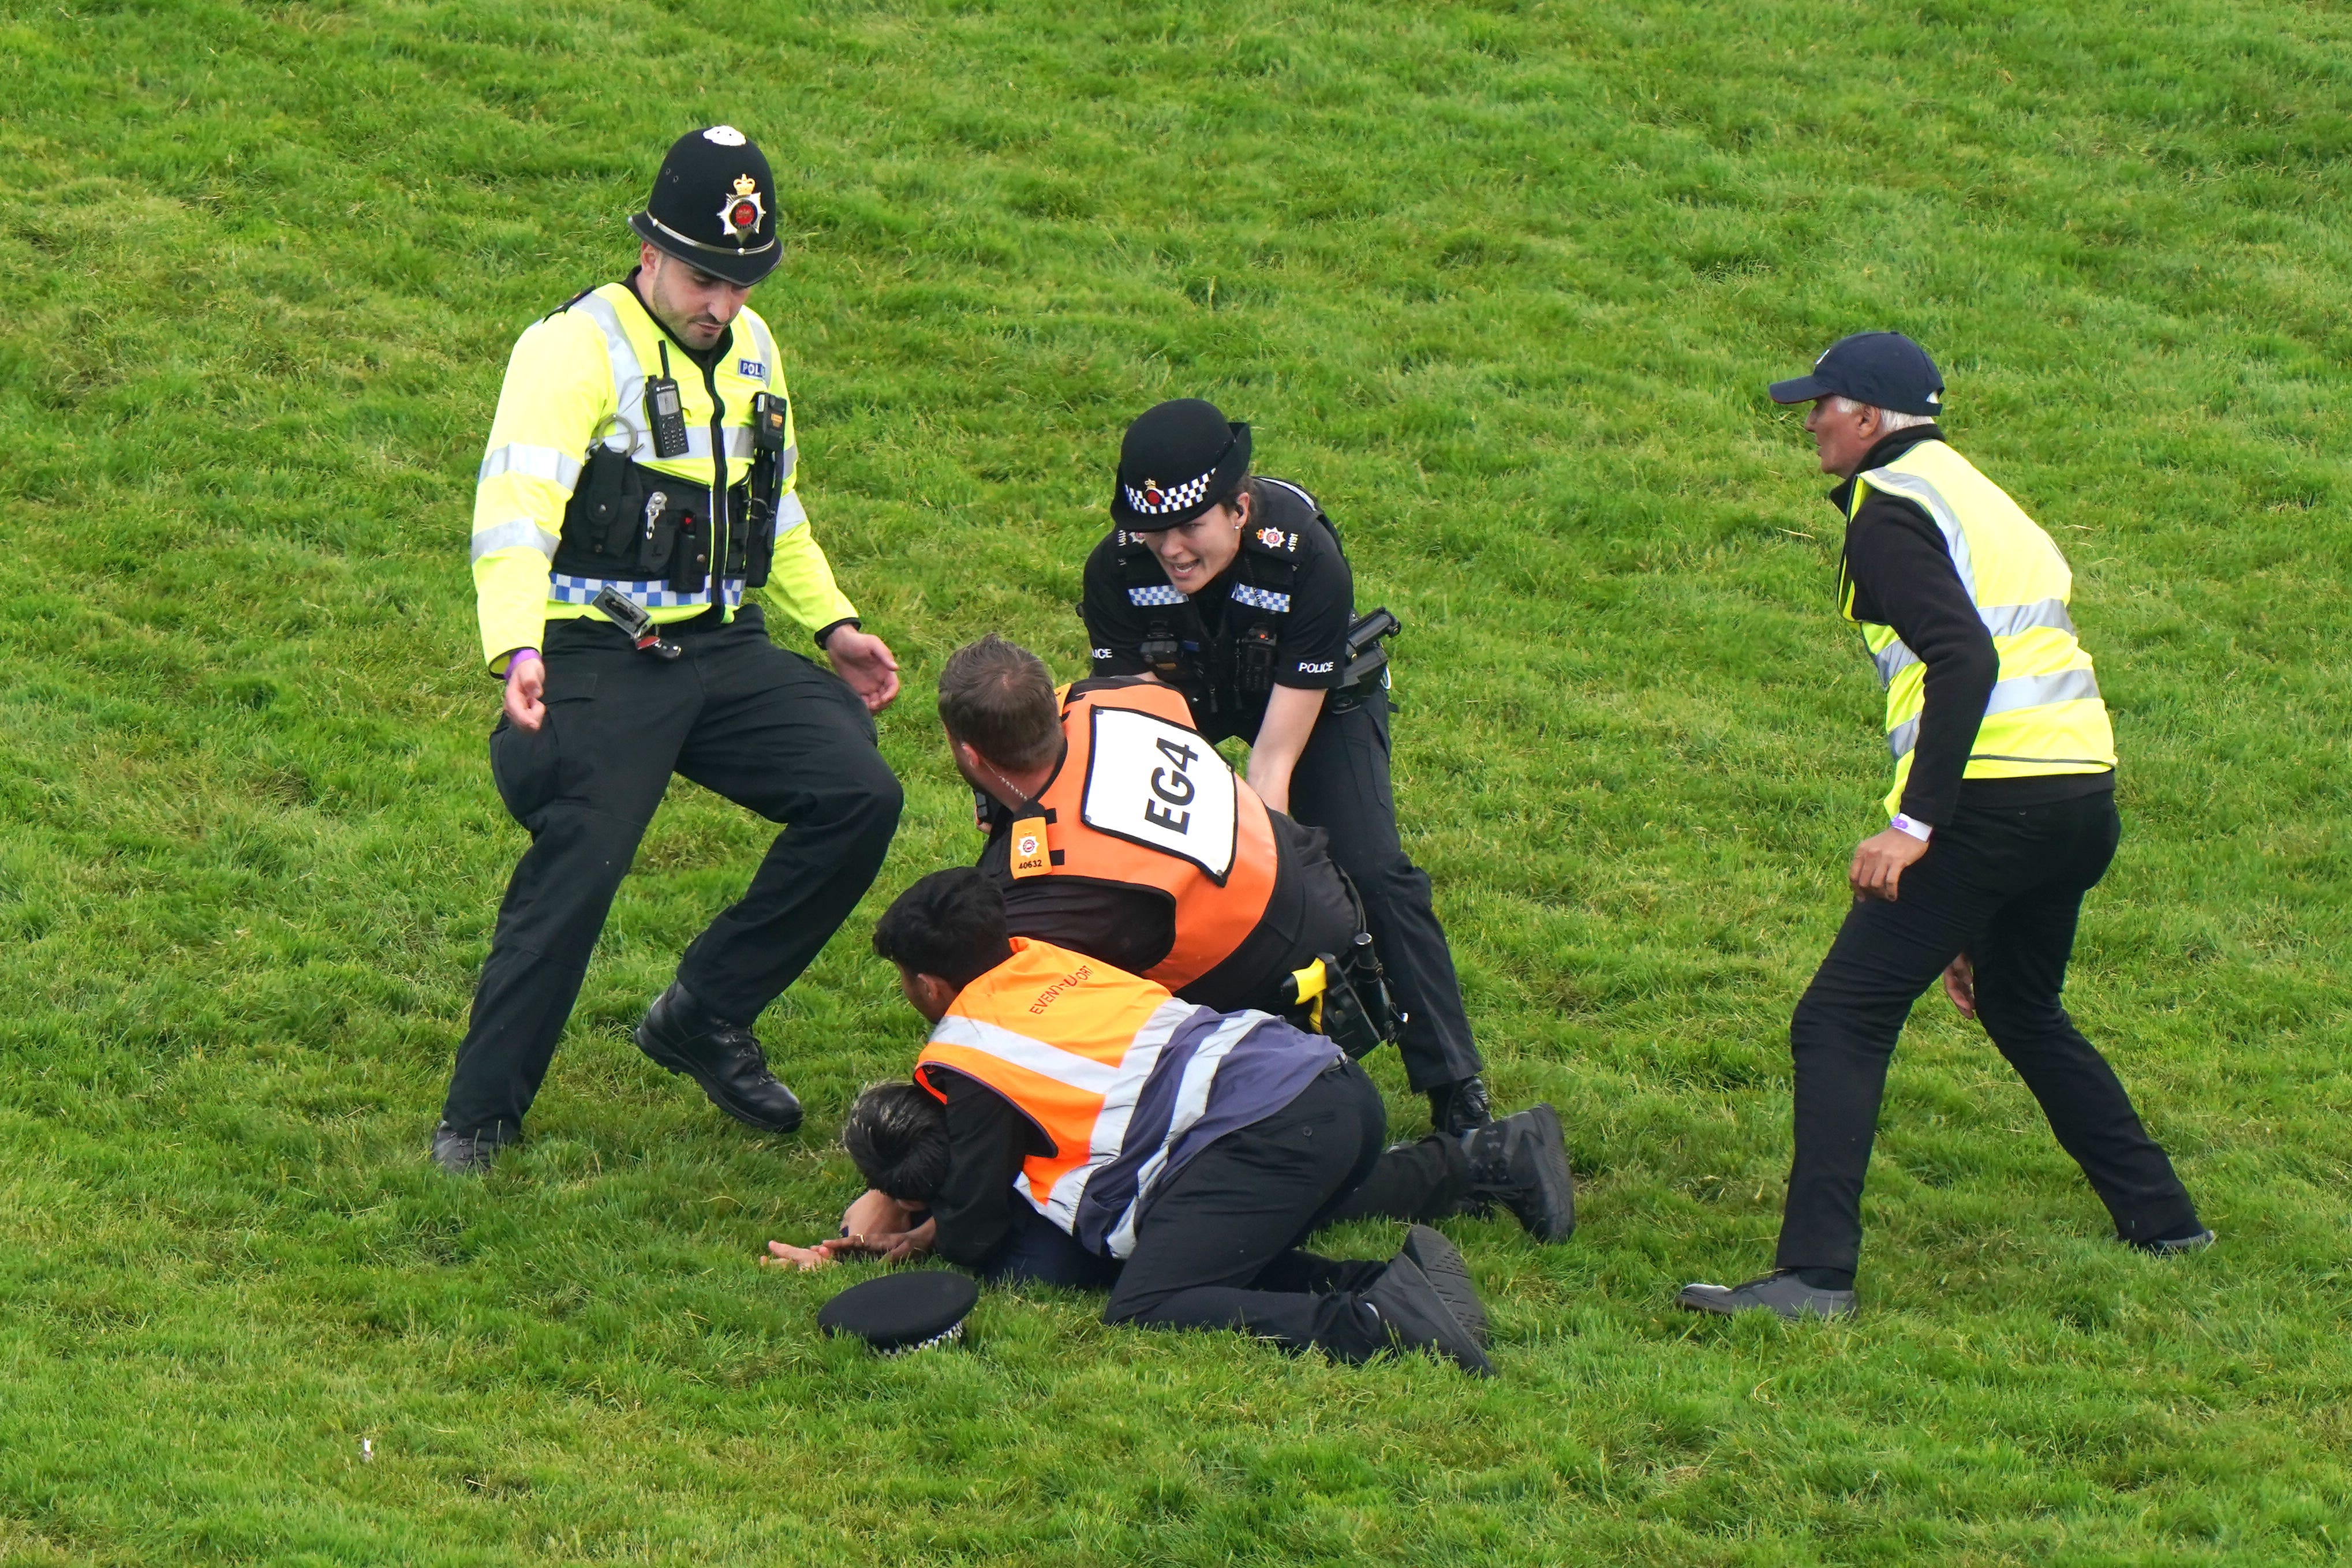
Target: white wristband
(1913, 826)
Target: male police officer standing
(2004, 816)
(640, 476)
(1234, 590)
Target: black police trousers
(2004, 886)
(1341, 786)
(766, 729)
(1218, 1247)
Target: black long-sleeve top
(988, 1139)
(1902, 576)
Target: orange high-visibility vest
(1072, 1043)
(1142, 800)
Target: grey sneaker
(2174, 1246)
(1781, 1291)
(1413, 1316)
(1441, 1262)
(470, 1154)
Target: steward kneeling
(1116, 830)
(1198, 1148)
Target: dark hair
(950, 925)
(997, 697)
(897, 1133)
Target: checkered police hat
(1177, 461)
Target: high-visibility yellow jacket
(577, 379)
(2044, 715)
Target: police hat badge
(900, 1312)
(743, 211)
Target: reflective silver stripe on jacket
(1192, 1104)
(2008, 697)
(1912, 487)
(790, 513)
(2009, 619)
(1157, 595)
(556, 467)
(521, 532)
(767, 346)
(656, 594)
(2001, 620)
(1118, 1084)
(628, 376)
(1893, 660)
(640, 444)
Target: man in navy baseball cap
(1883, 370)
(2001, 817)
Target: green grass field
(1503, 283)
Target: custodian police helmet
(714, 206)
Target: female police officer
(1234, 590)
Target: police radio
(665, 412)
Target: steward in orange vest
(1198, 1147)
(1117, 831)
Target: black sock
(1826, 1279)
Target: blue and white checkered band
(1261, 598)
(654, 595)
(1153, 501)
(1160, 595)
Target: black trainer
(1440, 1261)
(1417, 1318)
(470, 1154)
(1521, 1163)
(1779, 1292)
(724, 1058)
(1455, 1108)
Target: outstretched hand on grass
(877, 1226)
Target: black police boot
(1457, 1107)
(470, 1154)
(1413, 1316)
(724, 1058)
(1521, 1163)
(1440, 1261)
(1780, 1292)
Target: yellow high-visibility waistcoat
(577, 379)
(2044, 715)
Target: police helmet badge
(743, 211)
(1154, 497)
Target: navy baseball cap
(1885, 370)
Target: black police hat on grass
(1177, 461)
(713, 206)
(900, 1312)
(1885, 370)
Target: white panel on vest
(1161, 786)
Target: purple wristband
(515, 658)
